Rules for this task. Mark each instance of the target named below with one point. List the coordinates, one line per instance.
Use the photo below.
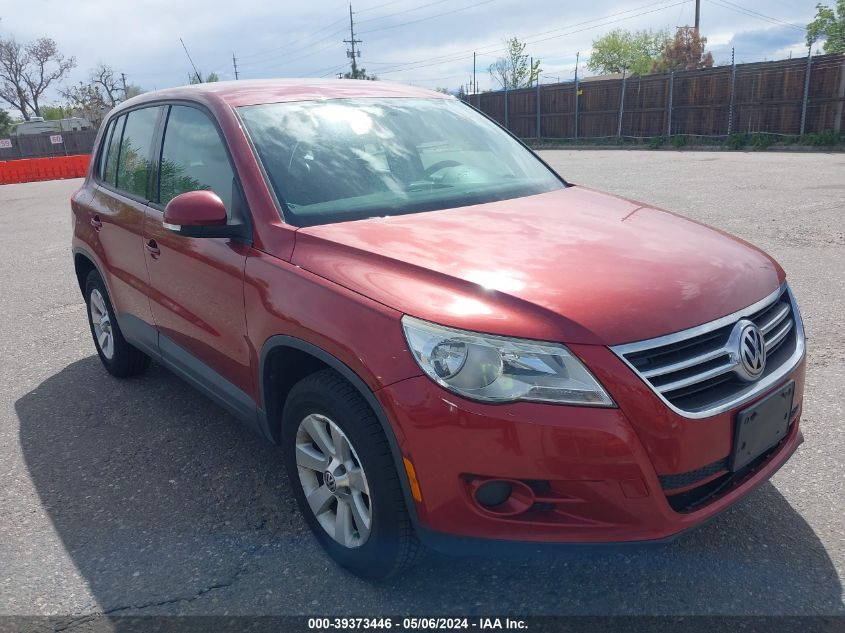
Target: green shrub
(656, 142)
(761, 140)
(678, 141)
(827, 138)
(735, 141)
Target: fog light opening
(502, 497)
(493, 493)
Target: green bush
(827, 138)
(678, 141)
(735, 141)
(656, 142)
(761, 140)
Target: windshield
(339, 160)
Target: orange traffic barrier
(34, 169)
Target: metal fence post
(733, 87)
(669, 107)
(577, 58)
(539, 128)
(507, 125)
(806, 89)
(621, 104)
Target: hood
(573, 265)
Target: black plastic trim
(335, 363)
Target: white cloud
(141, 38)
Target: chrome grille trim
(772, 322)
(776, 315)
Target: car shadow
(167, 505)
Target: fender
(340, 367)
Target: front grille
(695, 371)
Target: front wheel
(342, 471)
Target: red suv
(450, 343)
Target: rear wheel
(344, 477)
(119, 357)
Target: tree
(830, 25)
(684, 52)
(103, 91)
(56, 112)
(87, 100)
(359, 73)
(515, 70)
(26, 72)
(6, 123)
(197, 78)
(111, 87)
(634, 51)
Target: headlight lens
(498, 369)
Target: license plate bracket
(761, 426)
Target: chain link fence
(788, 97)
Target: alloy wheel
(333, 480)
(102, 324)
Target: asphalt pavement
(143, 497)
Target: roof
(253, 92)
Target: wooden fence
(785, 97)
(40, 145)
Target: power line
(294, 42)
(603, 21)
(725, 4)
(430, 17)
(390, 15)
(378, 6)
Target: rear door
(196, 284)
(117, 209)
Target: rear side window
(133, 165)
(112, 148)
(193, 157)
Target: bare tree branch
(45, 65)
(13, 62)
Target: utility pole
(353, 54)
(235, 64)
(123, 78)
(577, 58)
(697, 14)
(474, 82)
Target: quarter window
(133, 166)
(193, 157)
(112, 150)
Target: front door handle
(96, 223)
(152, 248)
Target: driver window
(193, 157)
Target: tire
(325, 400)
(119, 357)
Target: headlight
(498, 369)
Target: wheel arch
(272, 385)
(83, 264)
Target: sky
(428, 43)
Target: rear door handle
(152, 248)
(96, 223)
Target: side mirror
(191, 213)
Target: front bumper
(593, 475)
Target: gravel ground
(144, 497)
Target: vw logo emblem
(330, 482)
(751, 355)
